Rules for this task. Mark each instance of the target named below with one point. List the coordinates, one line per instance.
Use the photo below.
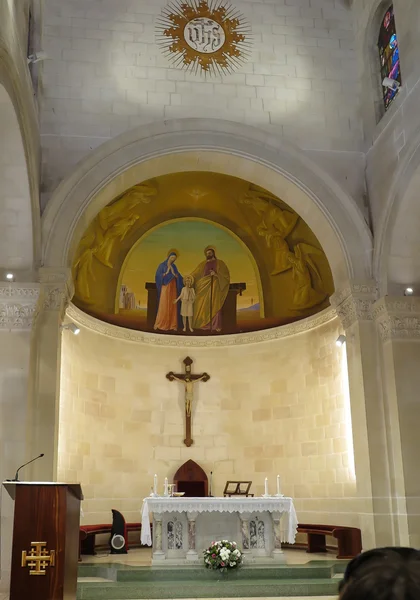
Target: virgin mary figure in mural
(212, 280)
(169, 284)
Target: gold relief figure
(282, 219)
(110, 226)
(280, 247)
(276, 224)
(116, 233)
(115, 221)
(305, 295)
(139, 194)
(83, 274)
(83, 265)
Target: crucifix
(188, 379)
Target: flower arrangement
(223, 555)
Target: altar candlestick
(165, 492)
(278, 486)
(266, 487)
(155, 484)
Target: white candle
(155, 483)
(278, 485)
(266, 487)
(166, 487)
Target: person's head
(188, 281)
(172, 256)
(210, 252)
(383, 574)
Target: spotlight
(71, 327)
(341, 340)
(37, 57)
(391, 84)
(408, 291)
(10, 276)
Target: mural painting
(193, 289)
(200, 254)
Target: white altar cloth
(274, 504)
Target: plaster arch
(20, 220)
(397, 246)
(215, 146)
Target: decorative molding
(398, 318)
(52, 275)
(9, 291)
(18, 306)
(239, 339)
(354, 302)
(55, 298)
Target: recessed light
(10, 276)
(408, 291)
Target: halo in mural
(204, 36)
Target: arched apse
(214, 146)
(269, 267)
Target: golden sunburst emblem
(204, 36)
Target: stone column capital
(57, 288)
(398, 318)
(354, 302)
(18, 305)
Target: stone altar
(184, 527)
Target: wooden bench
(349, 539)
(88, 533)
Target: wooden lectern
(45, 540)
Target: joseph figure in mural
(212, 280)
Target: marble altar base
(180, 535)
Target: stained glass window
(389, 55)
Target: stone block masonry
(108, 75)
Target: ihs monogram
(204, 36)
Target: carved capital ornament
(398, 318)
(354, 302)
(18, 305)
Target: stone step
(222, 588)
(312, 570)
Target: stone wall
(270, 408)
(108, 75)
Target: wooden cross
(188, 379)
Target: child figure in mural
(187, 298)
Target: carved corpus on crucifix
(188, 379)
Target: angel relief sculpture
(111, 225)
(308, 290)
(276, 224)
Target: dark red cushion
(93, 528)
